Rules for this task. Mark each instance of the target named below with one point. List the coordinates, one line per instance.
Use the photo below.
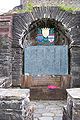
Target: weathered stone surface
(74, 3)
(70, 21)
(12, 104)
(5, 52)
(5, 57)
(5, 82)
(76, 114)
(12, 94)
(74, 93)
(17, 65)
(75, 66)
(15, 104)
(47, 114)
(45, 118)
(72, 111)
(49, 108)
(65, 114)
(58, 118)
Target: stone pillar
(15, 104)
(17, 66)
(72, 110)
(5, 51)
(75, 66)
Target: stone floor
(48, 110)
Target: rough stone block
(72, 110)
(15, 104)
(76, 114)
(5, 82)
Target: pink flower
(52, 87)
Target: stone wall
(72, 110)
(75, 66)
(74, 3)
(15, 105)
(17, 57)
(5, 50)
(11, 53)
(70, 23)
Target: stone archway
(69, 20)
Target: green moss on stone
(68, 7)
(27, 8)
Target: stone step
(43, 93)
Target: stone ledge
(14, 93)
(74, 93)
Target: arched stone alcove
(68, 21)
